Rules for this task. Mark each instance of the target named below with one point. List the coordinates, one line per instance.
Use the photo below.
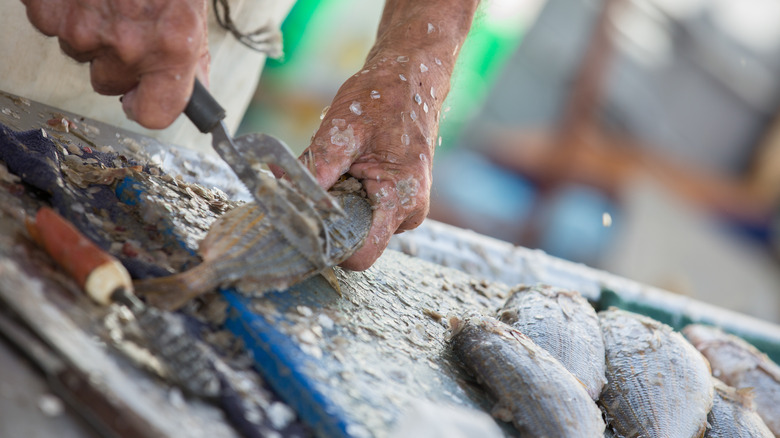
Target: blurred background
(637, 136)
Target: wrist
(434, 27)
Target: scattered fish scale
(733, 414)
(532, 388)
(563, 323)
(739, 364)
(658, 385)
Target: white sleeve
(34, 67)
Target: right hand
(147, 50)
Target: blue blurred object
(497, 202)
(572, 223)
(471, 184)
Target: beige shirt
(33, 66)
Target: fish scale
(741, 365)
(531, 387)
(658, 385)
(293, 213)
(563, 323)
(733, 415)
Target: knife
(246, 154)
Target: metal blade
(295, 218)
(265, 149)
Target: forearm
(382, 124)
(429, 33)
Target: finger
(404, 187)
(382, 227)
(78, 55)
(46, 16)
(159, 98)
(110, 76)
(398, 206)
(79, 33)
(203, 67)
(276, 170)
(407, 199)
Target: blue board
(351, 365)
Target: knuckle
(43, 17)
(182, 32)
(108, 76)
(80, 38)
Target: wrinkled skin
(150, 51)
(396, 175)
(395, 171)
(147, 50)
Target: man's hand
(147, 50)
(375, 131)
(382, 126)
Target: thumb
(158, 99)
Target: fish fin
(330, 276)
(174, 291)
(702, 430)
(745, 397)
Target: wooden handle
(95, 271)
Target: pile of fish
(556, 368)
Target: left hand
(147, 50)
(378, 130)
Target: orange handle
(93, 269)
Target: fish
(532, 389)
(733, 414)
(244, 247)
(741, 365)
(658, 385)
(563, 323)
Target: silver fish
(658, 385)
(733, 414)
(741, 365)
(243, 245)
(563, 323)
(532, 388)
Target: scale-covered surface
(352, 364)
(495, 260)
(348, 364)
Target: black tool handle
(203, 110)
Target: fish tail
(174, 291)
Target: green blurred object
(492, 40)
(293, 29)
(319, 57)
